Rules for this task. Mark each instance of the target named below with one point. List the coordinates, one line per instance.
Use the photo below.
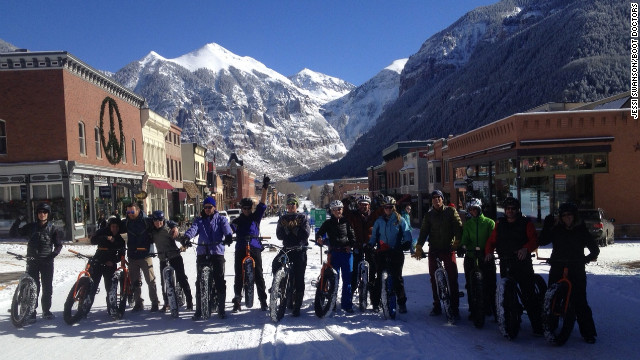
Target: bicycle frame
(85, 272)
(564, 279)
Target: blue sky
(351, 40)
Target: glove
(183, 248)
(265, 181)
(461, 251)
(419, 254)
(589, 258)
(405, 246)
(228, 240)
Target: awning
(161, 184)
(191, 188)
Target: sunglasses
(208, 207)
(131, 211)
(246, 208)
(388, 207)
(43, 212)
(511, 208)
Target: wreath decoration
(112, 145)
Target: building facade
(173, 150)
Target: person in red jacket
(514, 239)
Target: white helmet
(336, 204)
(474, 203)
(364, 199)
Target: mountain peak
(321, 86)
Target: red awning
(161, 184)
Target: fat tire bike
(171, 287)
(79, 301)
(207, 286)
(444, 290)
(249, 271)
(282, 288)
(509, 306)
(558, 312)
(121, 291)
(388, 299)
(326, 288)
(362, 286)
(476, 291)
(25, 297)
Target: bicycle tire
(557, 323)
(363, 285)
(476, 299)
(326, 294)
(508, 309)
(540, 289)
(442, 285)
(170, 289)
(78, 301)
(205, 293)
(248, 271)
(387, 296)
(279, 290)
(24, 301)
(182, 298)
(113, 305)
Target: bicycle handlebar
(79, 255)
(20, 257)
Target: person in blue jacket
(247, 228)
(389, 236)
(214, 233)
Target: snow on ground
(250, 334)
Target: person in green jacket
(475, 232)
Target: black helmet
(568, 208)
(44, 206)
(113, 220)
(158, 215)
(511, 201)
(246, 202)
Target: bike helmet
(44, 206)
(388, 200)
(158, 215)
(568, 208)
(336, 204)
(364, 199)
(511, 201)
(246, 202)
(113, 220)
(474, 203)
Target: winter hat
(209, 200)
(437, 193)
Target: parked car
(233, 213)
(600, 227)
(224, 213)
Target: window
(96, 135)
(3, 138)
(179, 170)
(133, 152)
(169, 169)
(438, 174)
(82, 139)
(412, 178)
(124, 150)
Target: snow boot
(139, 306)
(263, 305)
(189, 304)
(32, 318)
(402, 308)
(164, 308)
(236, 304)
(154, 307)
(48, 315)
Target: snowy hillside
(322, 87)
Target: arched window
(82, 138)
(133, 152)
(3, 138)
(96, 135)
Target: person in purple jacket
(247, 228)
(214, 233)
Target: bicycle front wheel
(508, 308)
(442, 284)
(248, 272)
(363, 285)
(279, 295)
(558, 318)
(326, 293)
(205, 293)
(387, 296)
(170, 289)
(78, 301)
(476, 299)
(24, 301)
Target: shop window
(3, 138)
(82, 139)
(96, 136)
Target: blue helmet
(158, 215)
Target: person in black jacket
(340, 238)
(43, 246)
(569, 237)
(167, 249)
(110, 248)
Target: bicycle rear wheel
(170, 289)
(387, 296)
(442, 284)
(248, 270)
(476, 299)
(78, 301)
(509, 310)
(24, 301)
(278, 294)
(326, 293)
(205, 292)
(557, 323)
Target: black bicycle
(282, 288)
(121, 291)
(249, 270)
(24, 298)
(363, 286)
(509, 306)
(388, 299)
(476, 292)
(559, 316)
(175, 294)
(207, 286)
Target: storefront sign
(105, 191)
(23, 192)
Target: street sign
(318, 216)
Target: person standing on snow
(247, 228)
(340, 238)
(293, 229)
(443, 226)
(475, 232)
(214, 233)
(111, 247)
(569, 237)
(44, 245)
(390, 234)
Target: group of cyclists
(353, 233)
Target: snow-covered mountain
(320, 86)
(236, 104)
(355, 113)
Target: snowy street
(612, 294)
